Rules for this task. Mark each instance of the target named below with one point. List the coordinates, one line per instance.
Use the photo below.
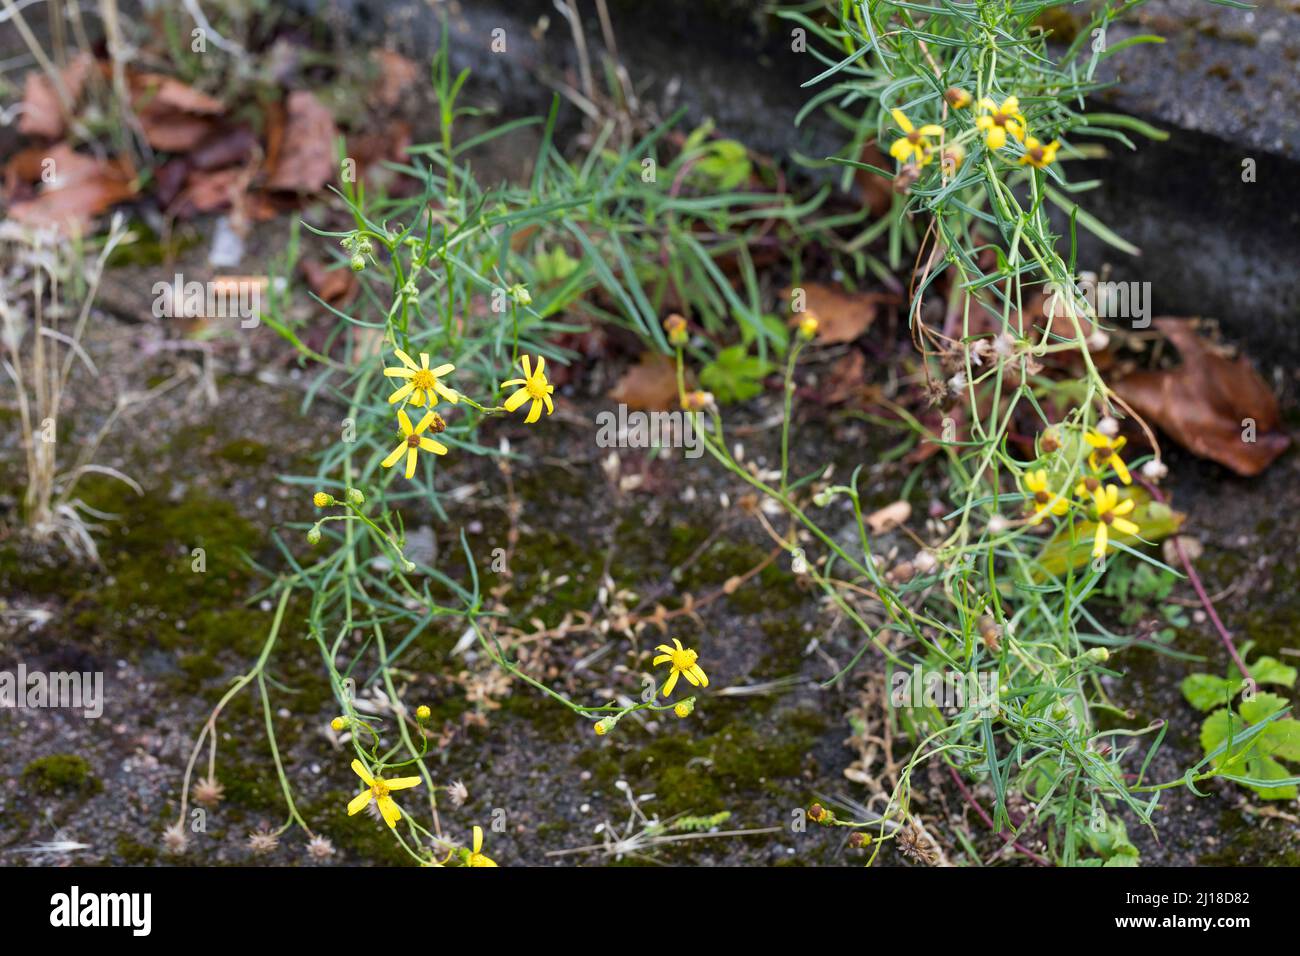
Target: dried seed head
(174, 839)
(263, 841)
(208, 792)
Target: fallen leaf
(889, 517)
(210, 191)
(42, 113)
(158, 91)
(305, 160)
(82, 188)
(224, 146)
(841, 316)
(1215, 407)
(334, 286)
(650, 385)
(396, 74)
(845, 380)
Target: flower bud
(358, 262)
(313, 536)
(684, 707)
(422, 712)
(957, 97)
(322, 500)
(356, 497)
(808, 326)
(675, 326)
(339, 723)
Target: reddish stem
(1200, 588)
(970, 798)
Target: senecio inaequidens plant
(1000, 596)
(416, 381)
(980, 115)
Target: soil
(169, 640)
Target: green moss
(132, 853)
(709, 773)
(61, 774)
(243, 451)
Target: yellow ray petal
(389, 810)
(534, 413)
(393, 458)
(403, 783)
(358, 803)
(411, 455)
(516, 400)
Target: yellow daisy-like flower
(414, 441)
(1109, 509)
(422, 383)
(1105, 451)
(996, 121)
(535, 387)
(683, 665)
(1039, 155)
(915, 142)
(378, 789)
(476, 858)
(1044, 500)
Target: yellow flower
(378, 790)
(476, 858)
(1038, 155)
(1044, 500)
(914, 141)
(534, 386)
(339, 723)
(413, 440)
(423, 712)
(422, 383)
(321, 500)
(996, 121)
(683, 664)
(1105, 451)
(1109, 509)
(808, 325)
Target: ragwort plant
(463, 291)
(979, 113)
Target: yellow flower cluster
(424, 386)
(995, 121)
(1102, 501)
